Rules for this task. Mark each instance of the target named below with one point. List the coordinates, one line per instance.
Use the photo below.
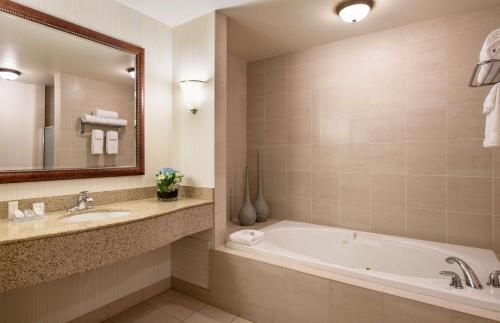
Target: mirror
(71, 100)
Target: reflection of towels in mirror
(97, 142)
(106, 114)
(117, 122)
(111, 142)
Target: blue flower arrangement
(167, 183)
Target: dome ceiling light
(353, 11)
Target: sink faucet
(471, 279)
(84, 202)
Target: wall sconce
(192, 92)
(131, 72)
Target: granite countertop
(14, 232)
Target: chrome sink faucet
(85, 202)
(471, 279)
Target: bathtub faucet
(471, 279)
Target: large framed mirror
(71, 100)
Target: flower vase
(261, 206)
(246, 215)
(168, 196)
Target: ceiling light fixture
(9, 74)
(131, 72)
(352, 11)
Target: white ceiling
(264, 28)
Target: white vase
(246, 215)
(261, 206)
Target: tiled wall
(236, 132)
(262, 293)
(381, 133)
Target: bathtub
(407, 264)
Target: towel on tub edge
(247, 237)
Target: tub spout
(471, 279)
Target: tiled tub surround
(44, 250)
(268, 290)
(381, 133)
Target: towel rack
(492, 74)
(120, 129)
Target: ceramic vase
(246, 215)
(261, 206)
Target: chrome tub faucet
(471, 279)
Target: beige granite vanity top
(15, 232)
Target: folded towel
(492, 110)
(111, 142)
(490, 50)
(107, 114)
(247, 237)
(117, 122)
(97, 142)
(87, 118)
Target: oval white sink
(95, 216)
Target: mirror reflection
(66, 102)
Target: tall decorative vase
(247, 215)
(261, 206)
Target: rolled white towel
(247, 237)
(117, 122)
(107, 114)
(490, 50)
(491, 109)
(87, 118)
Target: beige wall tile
(468, 158)
(426, 192)
(275, 81)
(388, 125)
(426, 56)
(256, 134)
(354, 127)
(354, 157)
(275, 106)
(429, 29)
(277, 206)
(397, 310)
(256, 85)
(325, 157)
(496, 196)
(496, 232)
(457, 317)
(325, 185)
(426, 124)
(298, 157)
(276, 62)
(426, 158)
(256, 67)
(347, 300)
(299, 105)
(459, 91)
(426, 224)
(470, 229)
(298, 184)
(300, 57)
(272, 158)
(354, 199)
(388, 190)
(388, 219)
(275, 132)
(465, 121)
(325, 212)
(298, 131)
(426, 90)
(469, 194)
(387, 157)
(299, 209)
(299, 77)
(256, 109)
(274, 182)
(458, 56)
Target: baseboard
(190, 289)
(124, 303)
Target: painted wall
(114, 19)
(381, 133)
(194, 59)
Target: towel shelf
(120, 129)
(492, 73)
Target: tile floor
(174, 307)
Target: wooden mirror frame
(18, 176)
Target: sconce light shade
(192, 92)
(9, 74)
(131, 72)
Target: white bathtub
(407, 264)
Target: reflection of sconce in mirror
(192, 91)
(9, 74)
(131, 72)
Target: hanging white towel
(97, 142)
(117, 122)
(111, 142)
(491, 109)
(247, 237)
(107, 114)
(87, 118)
(490, 50)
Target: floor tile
(143, 313)
(210, 314)
(240, 320)
(176, 304)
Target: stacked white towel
(247, 237)
(490, 50)
(87, 118)
(111, 142)
(107, 114)
(97, 142)
(117, 122)
(491, 109)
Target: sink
(95, 216)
